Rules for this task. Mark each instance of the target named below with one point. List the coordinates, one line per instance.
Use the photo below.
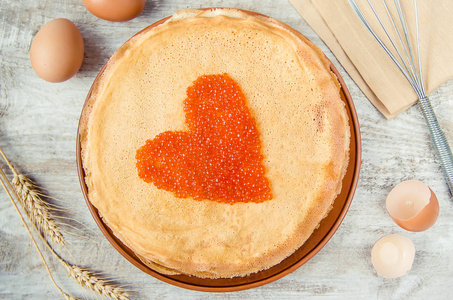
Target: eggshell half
(413, 205)
(393, 255)
(115, 10)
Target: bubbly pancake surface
(302, 122)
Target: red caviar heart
(219, 158)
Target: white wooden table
(38, 124)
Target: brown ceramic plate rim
(311, 247)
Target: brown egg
(57, 50)
(413, 205)
(115, 10)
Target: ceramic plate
(312, 246)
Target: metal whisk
(408, 61)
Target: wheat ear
(91, 281)
(38, 210)
(3, 177)
(83, 277)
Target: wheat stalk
(91, 281)
(69, 297)
(38, 211)
(3, 177)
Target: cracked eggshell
(413, 205)
(393, 255)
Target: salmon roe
(219, 158)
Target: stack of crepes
(295, 102)
(367, 64)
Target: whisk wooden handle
(439, 140)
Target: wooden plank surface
(38, 124)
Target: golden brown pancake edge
(329, 111)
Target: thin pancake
(295, 101)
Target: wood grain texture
(38, 124)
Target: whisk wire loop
(407, 68)
(417, 37)
(411, 67)
(410, 55)
(398, 63)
